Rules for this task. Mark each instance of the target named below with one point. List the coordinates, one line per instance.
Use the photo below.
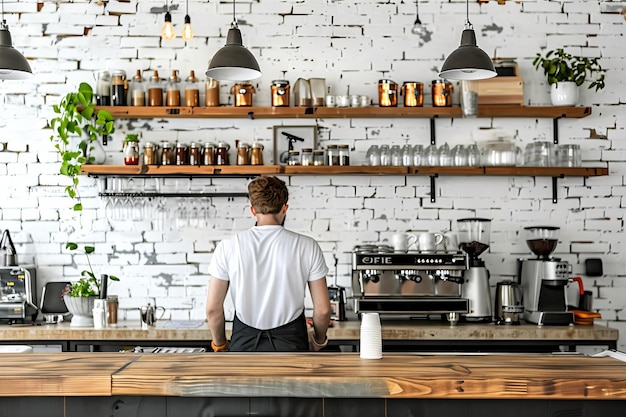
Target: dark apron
(290, 337)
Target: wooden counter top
(422, 330)
(314, 375)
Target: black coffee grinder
(544, 279)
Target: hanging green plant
(78, 120)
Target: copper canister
(413, 93)
(280, 93)
(442, 93)
(387, 93)
(208, 154)
(243, 94)
(256, 154)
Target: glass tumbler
(396, 155)
(445, 156)
(407, 155)
(569, 156)
(459, 156)
(373, 156)
(385, 155)
(418, 155)
(473, 155)
(431, 156)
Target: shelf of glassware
(146, 112)
(255, 170)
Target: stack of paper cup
(371, 336)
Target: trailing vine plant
(77, 117)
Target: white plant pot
(81, 309)
(565, 93)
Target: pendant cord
(467, 12)
(187, 7)
(234, 14)
(417, 7)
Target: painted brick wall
(352, 44)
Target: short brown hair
(268, 195)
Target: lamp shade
(233, 62)
(468, 61)
(13, 65)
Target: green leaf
(71, 246)
(78, 207)
(89, 249)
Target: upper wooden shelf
(254, 170)
(146, 112)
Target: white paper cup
(371, 341)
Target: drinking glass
(473, 155)
(385, 155)
(569, 156)
(418, 155)
(445, 158)
(407, 155)
(396, 155)
(373, 156)
(431, 156)
(459, 156)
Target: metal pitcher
(7, 250)
(149, 315)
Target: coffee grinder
(474, 240)
(544, 279)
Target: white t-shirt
(268, 268)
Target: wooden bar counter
(310, 384)
(418, 335)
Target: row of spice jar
(179, 153)
(335, 155)
(114, 89)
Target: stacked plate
(371, 336)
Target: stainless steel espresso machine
(544, 279)
(474, 234)
(409, 284)
(18, 294)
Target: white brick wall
(352, 45)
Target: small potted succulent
(566, 72)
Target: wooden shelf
(250, 170)
(223, 112)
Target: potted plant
(131, 149)
(79, 296)
(566, 72)
(76, 130)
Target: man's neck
(268, 219)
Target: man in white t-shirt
(268, 269)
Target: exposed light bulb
(187, 30)
(168, 29)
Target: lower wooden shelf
(256, 170)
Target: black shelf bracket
(432, 186)
(555, 196)
(555, 129)
(433, 137)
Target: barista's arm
(321, 309)
(215, 310)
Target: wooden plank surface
(75, 374)
(394, 376)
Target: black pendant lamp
(468, 61)
(233, 62)
(13, 65)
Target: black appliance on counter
(18, 294)
(411, 284)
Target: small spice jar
(256, 154)
(180, 157)
(221, 154)
(194, 154)
(243, 154)
(306, 158)
(167, 153)
(294, 158)
(343, 155)
(208, 154)
(319, 157)
(112, 306)
(150, 154)
(332, 155)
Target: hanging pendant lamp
(233, 62)
(468, 61)
(13, 65)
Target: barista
(267, 269)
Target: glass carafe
(172, 92)
(137, 90)
(155, 90)
(192, 91)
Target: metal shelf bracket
(432, 187)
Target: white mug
(451, 241)
(402, 241)
(428, 241)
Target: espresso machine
(18, 294)
(408, 284)
(544, 279)
(474, 240)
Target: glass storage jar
(155, 90)
(306, 158)
(256, 154)
(343, 155)
(319, 158)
